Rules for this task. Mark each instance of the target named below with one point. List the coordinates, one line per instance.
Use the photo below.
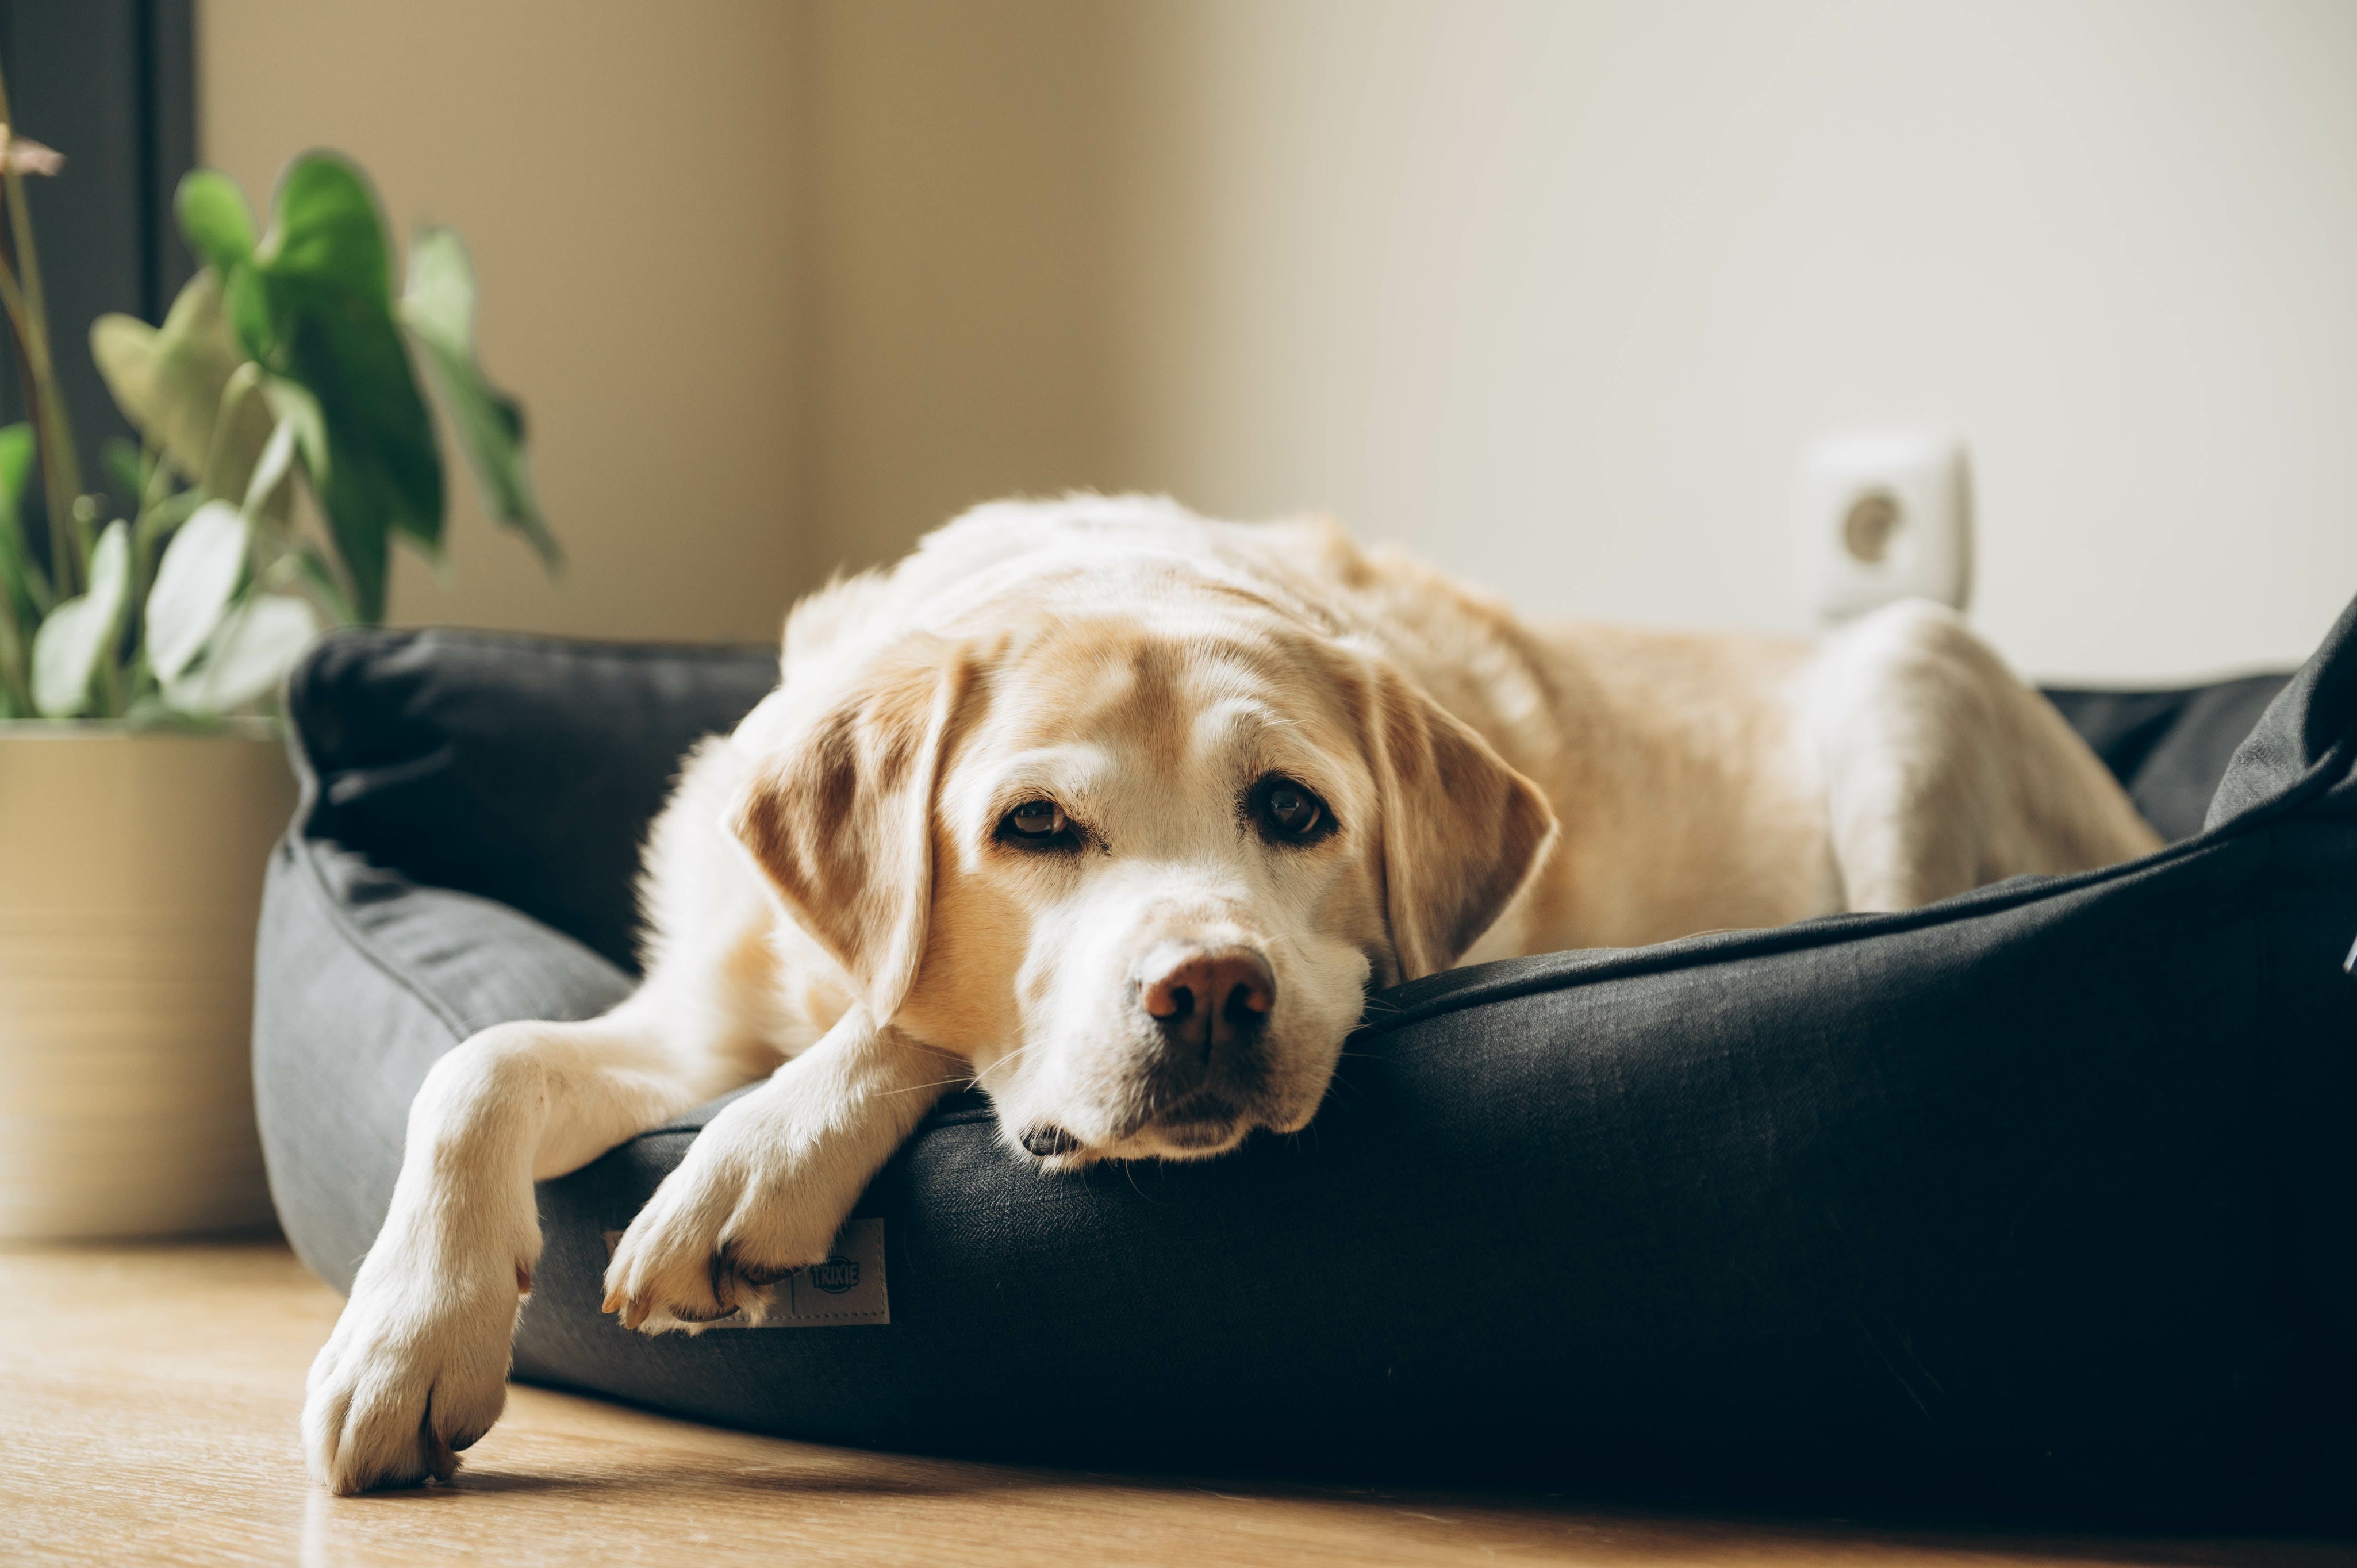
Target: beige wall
(624, 177)
(955, 230)
(1555, 292)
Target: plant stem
(145, 527)
(10, 298)
(12, 658)
(61, 466)
(15, 639)
(14, 304)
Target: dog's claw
(441, 1454)
(409, 1376)
(744, 1209)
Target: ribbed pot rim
(242, 728)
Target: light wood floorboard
(148, 1407)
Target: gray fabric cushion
(2038, 1197)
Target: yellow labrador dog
(1121, 812)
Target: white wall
(1557, 293)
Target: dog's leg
(1944, 771)
(766, 1186)
(416, 1367)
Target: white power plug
(1884, 516)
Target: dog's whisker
(939, 1083)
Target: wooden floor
(148, 1407)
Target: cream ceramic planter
(130, 884)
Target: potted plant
(146, 621)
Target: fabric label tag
(845, 1291)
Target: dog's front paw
(415, 1370)
(742, 1211)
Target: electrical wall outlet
(1884, 516)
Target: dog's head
(1140, 867)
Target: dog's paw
(415, 1370)
(740, 1213)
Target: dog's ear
(840, 817)
(1461, 830)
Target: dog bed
(2039, 1197)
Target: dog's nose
(1204, 998)
(1049, 1141)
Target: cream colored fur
(839, 910)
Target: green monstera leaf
(171, 381)
(312, 305)
(20, 575)
(214, 218)
(438, 308)
(24, 591)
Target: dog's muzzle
(1203, 1020)
(1209, 1009)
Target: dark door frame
(112, 85)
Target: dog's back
(1703, 780)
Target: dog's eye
(1037, 819)
(1036, 824)
(1293, 808)
(1289, 813)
